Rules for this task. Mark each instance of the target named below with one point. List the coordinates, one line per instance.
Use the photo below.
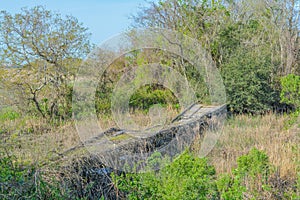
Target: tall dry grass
(268, 132)
(37, 142)
(140, 118)
(239, 135)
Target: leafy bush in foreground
(189, 177)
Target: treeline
(253, 43)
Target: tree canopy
(47, 48)
(253, 43)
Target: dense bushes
(22, 180)
(149, 95)
(250, 42)
(189, 177)
(248, 83)
(247, 68)
(17, 180)
(290, 92)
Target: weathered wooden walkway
(115, 144)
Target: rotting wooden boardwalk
(190, 122)
(98, 165)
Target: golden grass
(140, 118)
(39, 149)
(242, 133)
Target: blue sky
(104, 18)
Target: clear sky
(104, 18)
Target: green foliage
(103, 105)
(19, 180)
(103, 98)
(8, 114)
(230, 187)
(248, 83)
(290, 92)
(47, 54)
(8, 169)
(296, 194)
(188, 177)
(14, 179)
(251, 176)
(149, 95)
(253, 171)
(252, 164)
(242, 43)
(247, 73)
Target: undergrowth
(256, 157)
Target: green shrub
(230, 187)
(149, 95)
(290, 92)
(254, 170)
(14, 179)
(254, 163)
(247, 79)
(19, 180)
(188, 177)
(8, 114)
